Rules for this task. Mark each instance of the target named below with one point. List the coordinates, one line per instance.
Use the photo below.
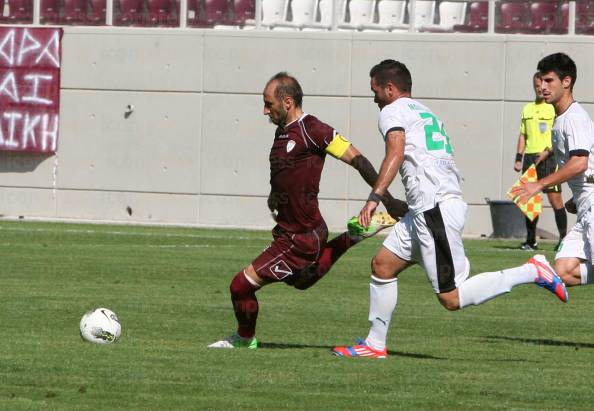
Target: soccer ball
(100, 326)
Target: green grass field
(169, 286)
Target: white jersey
(573, 133)
(428, 172)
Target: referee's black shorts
(543, 169)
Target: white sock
(586, 273)
(383, 295)
(483, 287)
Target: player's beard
(280, 119)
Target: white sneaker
(235, 341)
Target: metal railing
(341, 17)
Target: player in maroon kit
(299, 255)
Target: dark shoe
(529, 246)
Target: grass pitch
(169, 286)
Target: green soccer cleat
(379, 221)
(235, 341)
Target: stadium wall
(166, 125)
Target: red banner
(30, 60)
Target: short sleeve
(575, 130)
(317, 132)
(391, 119)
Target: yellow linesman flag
(533, 207)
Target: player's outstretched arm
(575, 166)
(393, 159)
(396, 208)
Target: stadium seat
(19, 11)
(302, 15)
(129, 13)
(96, 14)
(514, 17)
(274, 12)
(451, 13)
(543, 18)
(584, 14)
(75, 12)
(391, 14)
(209, 13)
(424, 12)
(162, 13)
(49, 12)
(361, 14)
(303, 12)
(195, 11)
(243, 10)
(325, 7)
(477, 20)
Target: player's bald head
(286, 85)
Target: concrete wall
(195, 148)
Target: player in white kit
(430, 234)
(573, 142)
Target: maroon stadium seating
(584, 17)
(49, 12)
(543, 18)
(243, 10)
(514, 17)
(162, 13)
(215, 12)
(193, 11)
(75, 11)
(96, 13)
(478, 16)
(20, 11)
(131, 12)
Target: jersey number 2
(430, 129)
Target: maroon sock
(245, 304)
(330, 253)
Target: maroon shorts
(289, 254)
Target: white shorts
(433, 239)
(578, 241)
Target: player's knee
(240, 286)
(449, 301)
(568, 270)
(380, 268)
(306, 278)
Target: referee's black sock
(561, 220)
(531, 230)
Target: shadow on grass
(510, 248)
(541, 341)
(279, 346)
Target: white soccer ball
(100, 326)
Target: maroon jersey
(296, 163)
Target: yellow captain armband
(338, 146)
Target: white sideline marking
(147, 245)
(132, 234)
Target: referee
(534, 147)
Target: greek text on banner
(30, 60)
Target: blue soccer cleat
(546, 277)
(361, 349)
